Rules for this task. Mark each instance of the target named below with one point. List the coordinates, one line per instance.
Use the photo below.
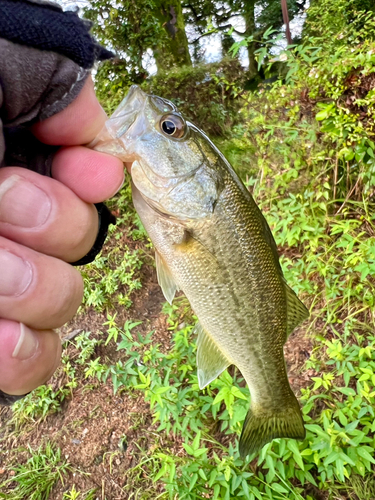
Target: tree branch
(219, 28)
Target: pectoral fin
(296, 311)
(165, 278)
(210, 359)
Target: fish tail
(264, 424)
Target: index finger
(78, 123)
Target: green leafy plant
(35, 479)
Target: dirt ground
(103, 436)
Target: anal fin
(210, 359)
(165, 278)
(296, 311)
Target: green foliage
(329, 77)
(35, 479)
(73, 494)
(207, 94)
(47, 399)
(336, 20)
(112, 278)
(215, 16)
(340, 438)
(134, 31)
(130, 28)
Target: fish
(213, 243)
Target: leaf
(346, 459)
(245, 489)
(268, 32)
(237, 393)
(362, 452)
(348, 391)
(213, 475)
(202, 474)
(277, 487)
(216, 491)
(322, 115)
(188, 448)
(220, 395)
(360, 468)
(161, 473)
(257, 493)
(193, 481)
(332, 457)
(172, 472)
(195, 443)
(310, 478)
(293, 447)
(340, 470)
(352, 426)
(227, 473)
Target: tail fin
(262, 425)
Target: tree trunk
(250, 28)
(174, 50)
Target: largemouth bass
(212, 242)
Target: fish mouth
(112, 138)
(132, 107)
(126, 114)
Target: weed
(47, 399)
(35, 479)
(113, 277)
(73, 494)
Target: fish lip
(130, 108)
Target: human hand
(44, 224)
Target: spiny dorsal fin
(165, 278)
(210, 360)
(296, 311)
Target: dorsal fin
(165, 278)
(296, 311)
(210, 359)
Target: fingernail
(22, 203)
(27, 344)
(16, 274)
(119, 186)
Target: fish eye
(173, 125)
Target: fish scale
(213, 243)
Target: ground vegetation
(123, 417)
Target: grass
(35, 479)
